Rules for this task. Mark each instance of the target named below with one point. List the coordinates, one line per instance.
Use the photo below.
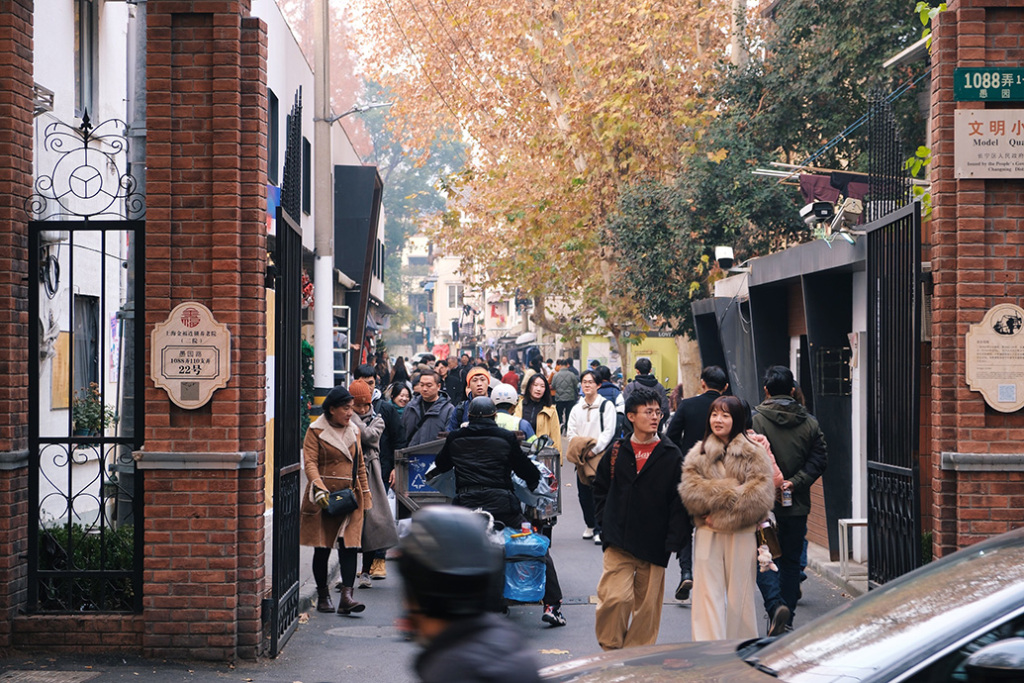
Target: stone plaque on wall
(995, 358)
(191, 355)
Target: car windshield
(907, 620)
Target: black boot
(685, 586)
(346, 604)
(323, 600)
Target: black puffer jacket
(641, 513)
(484, 456)
(483, 649)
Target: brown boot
(323, 600)
(346, 604)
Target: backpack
(623, 427)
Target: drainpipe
(323, 211)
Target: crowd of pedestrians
(657, 474)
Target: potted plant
(89, 415)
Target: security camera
(817, 212)
(724, 257)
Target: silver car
(920, 628)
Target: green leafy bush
(80, 548)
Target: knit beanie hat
(360, 391)
(476, 371)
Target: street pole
(323, 222)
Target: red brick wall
(73, 634)
(15, 187)
(977, 262)
(206, 242)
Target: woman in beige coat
(333, 460)
(727, 488)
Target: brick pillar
(977, 262)
(15, 187)
(206, 242)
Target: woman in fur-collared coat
(727, 488)
(333, 460)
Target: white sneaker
(364, 581)
(597, 539)
(589, 533)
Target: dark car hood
(707, 661)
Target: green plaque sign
(989, 84)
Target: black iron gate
(894, 357)
(287, 258)
(287, 440)
(86, 292)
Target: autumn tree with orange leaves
(565, 104)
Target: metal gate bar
(894, 358)
(85, 541)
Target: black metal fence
(85, 416)
(894, 359)
(86, 292)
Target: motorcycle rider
(484, 456)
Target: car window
(907, 621)
(950, 667)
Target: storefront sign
(988, 143)
(191, 355)
(990, 84)
(995, 358)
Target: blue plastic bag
(525, 579)
(525, 571)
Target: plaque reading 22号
(191, 355)
(995, 358)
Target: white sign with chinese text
(191, 355)
(989, 143)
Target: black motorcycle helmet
(447, 563)
(482, 407)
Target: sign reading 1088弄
(990, 84)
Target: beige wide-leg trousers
(629, 587)
(724, 585)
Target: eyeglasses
(651, 413)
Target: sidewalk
(819, 560)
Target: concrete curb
(819, 561)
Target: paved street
(367, 649)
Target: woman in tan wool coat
(727, 488)
(333, 460)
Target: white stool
(844, 544)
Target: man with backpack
(592, 417)
(644, 522)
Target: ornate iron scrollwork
(86, 180)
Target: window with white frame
(455, 296)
